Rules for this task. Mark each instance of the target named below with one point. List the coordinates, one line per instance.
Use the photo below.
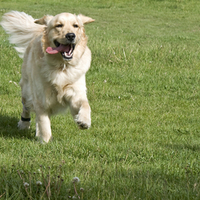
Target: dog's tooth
(66, 55)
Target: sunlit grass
(143, 88)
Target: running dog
(55, 61)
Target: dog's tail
(21, 28)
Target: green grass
(143, 88)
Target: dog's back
(21, 28)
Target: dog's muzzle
(66, 50)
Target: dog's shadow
(9, 129)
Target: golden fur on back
(55, 61)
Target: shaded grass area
(143, 88)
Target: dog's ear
(44, 20)
(85, 19)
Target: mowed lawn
(144, 92)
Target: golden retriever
(55, 61)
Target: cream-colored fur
(51, 83)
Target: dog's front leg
(43, 127)
(80, 110)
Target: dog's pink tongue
(55, 50)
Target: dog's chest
(62, 77)
(62, 83)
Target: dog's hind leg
(43, 126)
(25, 121)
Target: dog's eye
(59, 26)
(75, 25)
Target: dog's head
(63, 34)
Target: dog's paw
(23, 125)
(83, 125)
(43, 140)
(83, 122)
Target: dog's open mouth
(66, 50)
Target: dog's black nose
(70, 36)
